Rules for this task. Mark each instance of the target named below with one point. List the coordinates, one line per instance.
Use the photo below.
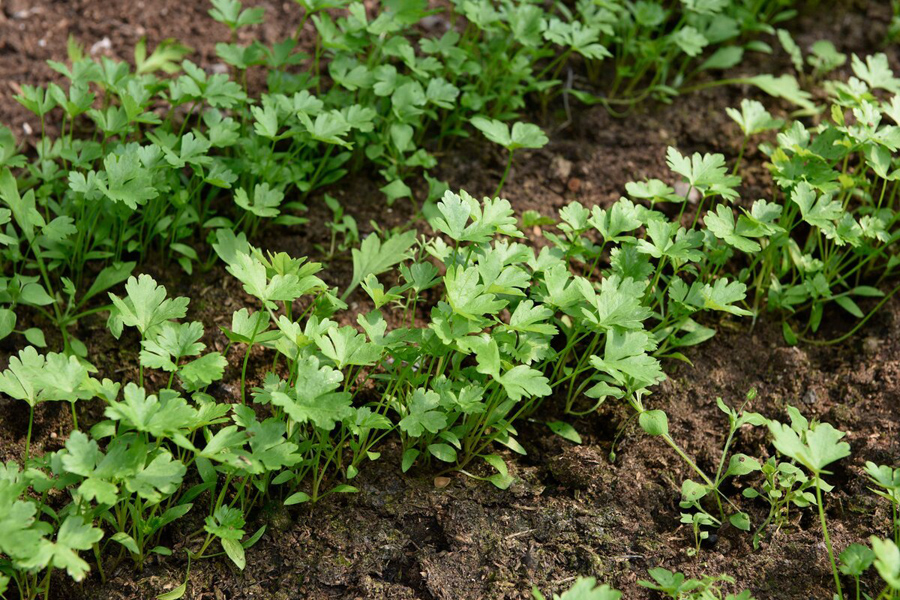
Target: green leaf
(523, 135)
(741, 520)
(488, 219)
(856, 559)
(409, 457)
(246, 326)
(821, 447)
(821, 211)
(162, 416)
(374, 257)
(59, 229)
(442, 93)
(226, 523)
(145, 306)
(847, 303)
(531, 318)
(395, 190)
(466, 296)
(527, 135)
(202, 371)
(791, 47)
(423, 415)
(672, 241)
(279, 287)
(127, 541)
(23, 210)
(443, 452)
(565, 431)
(265, 201)
(229, 12)
(297, 498)
(175, 594)
(329, 127)
(753, 117)
(523, 381)
(265, 117)
(8, 323)
(707, 173)
(741, 464)
(347, 347)
(585, 588)
(251, 541)
(887, 561)
(654, 422)
(235, 552)
(165, 57)
(784, 86)
(74, 535)
(723, 58)
(110, 276)
(494, 130)
(127, 180)
(721, 296)
(876, 72)
(313, 399)
(157, 480)
(789, 336)
(21, 380)
(625, 358)
(34, 335)
(171, 342)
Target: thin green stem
(28, 435)
(834, 569)
(509, 162)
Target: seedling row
(475, 320)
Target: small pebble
(810, 397)
(102, 45)
(871, 345)
(562, 168)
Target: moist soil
(571, 511)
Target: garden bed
(571, 511)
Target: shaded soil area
(571, 511)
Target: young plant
(146, 308)
(785, 485)
(887, 563)
(815, 446)
(584, 588)
(522, 135)
(34, 547)
(342, 225)
(855, 560)
(887, 481)
(753, 119)
(678, 587)
(37, 378)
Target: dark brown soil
(571, 511)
